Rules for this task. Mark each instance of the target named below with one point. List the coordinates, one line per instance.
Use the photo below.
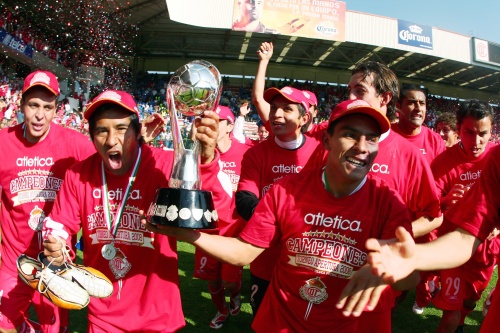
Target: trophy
(192, 89)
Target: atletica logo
(286, 168)
(118, 194)
(34, 161)
(228, 164)
(336, 222)
(469, 175)
(380, 168)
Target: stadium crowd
(150, 96)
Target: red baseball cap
(118, 97)
(311, 97)
(355, 106)
(290, 93)
(225, 113)
(44, 79)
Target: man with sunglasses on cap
(35, 157)
(320, 220)
(103, 195)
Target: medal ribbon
(105, 198)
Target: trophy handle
(186, 168)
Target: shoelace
(46, 271)
(65, 250)
(45, 278)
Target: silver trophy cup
(193, 89)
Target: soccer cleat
(88, 278)
(235, 305)
(61, 292)
(417, 309)
(218, 320)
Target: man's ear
(305, 118)
(325, 139)
(141, 130)
(386, 98)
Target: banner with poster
(321, 19)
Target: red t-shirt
(404, 168)
(151, 287)
(262, 165)
(231, 161)
(322, 244)
(454, 166)
(31, 175)
(230, 165)
(478, 214)
(430, 143)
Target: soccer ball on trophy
(192, 89)
(195, 88)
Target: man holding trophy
(104, 194)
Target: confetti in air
(80, 33)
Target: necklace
(109, 250)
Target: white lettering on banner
(130, 220)
(328, 249)
(17, 45)
(118, 194)
(381, 168)
(34, 161)
(325, 266)
(96, 220)
(336, 222)
(286, 168)
(34, 196)
(122, 236)
(35, 182)
(330, 4)
(407, 35)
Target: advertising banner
(15, 44)
(413, 34)
(321, 19)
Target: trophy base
(182, 208)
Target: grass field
(199, 310)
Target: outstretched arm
(424, 224)
(393, 260)
(364, 290)
(259, 85)
(231, 250)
